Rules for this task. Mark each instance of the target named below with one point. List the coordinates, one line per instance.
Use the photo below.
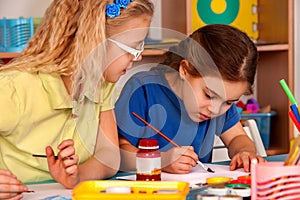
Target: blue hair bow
(114, 9)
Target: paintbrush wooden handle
(154, 129)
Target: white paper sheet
(47, 191)
(197, 174)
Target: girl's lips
(204, 117)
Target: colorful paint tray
(139, 190)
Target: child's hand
(243, 159)
(64, 169)
(179, 160)
(10, 187)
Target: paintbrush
(169, 140)
(42, 156)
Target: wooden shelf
(271, 152)
(260, 48)
(158, 52)
(153, 52)
(5, 55)
(273, 47)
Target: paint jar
(148, 161)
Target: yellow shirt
(36, 111)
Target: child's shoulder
(14, 75)
(153, 75)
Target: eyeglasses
(135, 52)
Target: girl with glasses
(57, 95)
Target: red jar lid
(148, 143)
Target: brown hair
(232, 53)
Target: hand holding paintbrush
(169, 140)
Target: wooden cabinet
(276, 62)
(276, 26)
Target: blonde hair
(70, 30)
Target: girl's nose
(214, 107)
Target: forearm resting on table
(128, 156)
(97, 169)
(241, 143)
(105, 161)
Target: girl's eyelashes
(229, 103)
(210, 96)
(207, 95)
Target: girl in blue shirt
(190, 98)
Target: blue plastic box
(2, 35)
(15, 33)
(263, 121)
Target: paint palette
(137, 190)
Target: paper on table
(48, 191)
(197, 174)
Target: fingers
(187, 158)
(181, 160)
(260, 159)
(6, 177)
(240, 160)
(70, 164)
(50, 155)
(244, 160)
(188, 151)
(65, 143)
(11, 196)
(66, 156)
(177, 168)
(67, 150)
(10, 187)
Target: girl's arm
(241, 148)
(106, 160)
(128, 155)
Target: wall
(36, 8)
(24, 8)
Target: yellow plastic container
(140, 190)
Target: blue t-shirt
(149, 95)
